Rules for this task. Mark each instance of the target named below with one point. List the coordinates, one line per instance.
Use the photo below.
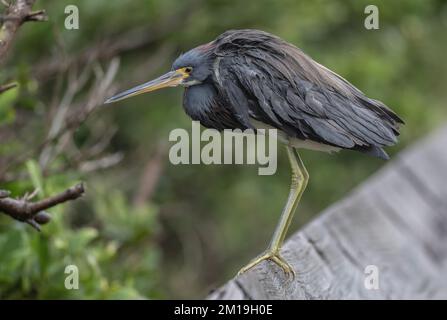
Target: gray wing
(274, 82)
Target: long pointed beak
(170, 79)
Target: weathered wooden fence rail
(396, 222)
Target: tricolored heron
(250, 79)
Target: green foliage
(113, 252)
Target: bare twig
(101, 163)
(151, 175)
(39, 15)
(16, 13)
(8, 86)
(64, 123)
(34, 213)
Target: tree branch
(8, 86)
(39, 15)
(33, 212)
(150, 176)
(15, 15)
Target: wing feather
(274, 82)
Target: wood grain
(396, 220)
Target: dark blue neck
(199, 99)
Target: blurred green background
(198, 224)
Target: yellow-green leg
(300, 177)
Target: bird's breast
(203, 103)
(198, 100)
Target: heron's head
(191, 68)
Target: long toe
(254, 262)
(284, 265)
(274, 257)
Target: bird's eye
(188, 69)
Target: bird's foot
(273, 256)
